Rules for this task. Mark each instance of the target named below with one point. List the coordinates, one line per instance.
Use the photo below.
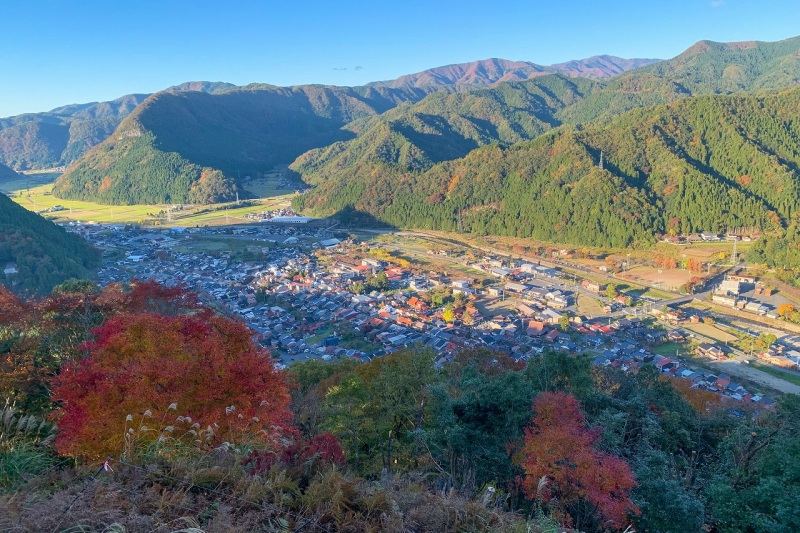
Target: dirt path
(736, 369)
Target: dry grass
(223, 497)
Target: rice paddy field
(35, 194)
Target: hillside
(62, 135)
(708, 163)
(189, 147)
(444, 126)
(43, 253)
(704, 68)
(494, 70)
(730, 67)
(7, 174)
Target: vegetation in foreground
(169, 417)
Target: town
(310, 291)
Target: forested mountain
(730, 67)
(193, 146)
(443, 126)
(494, 70)
(189, 146)
(42, 253)
(704, 68)
(706, 163)
(62, 135)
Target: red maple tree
(564, 469)
(201, 368)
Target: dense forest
(168, 415)
(159, 153)
(713, 163)
(382, 130)
(42, 253)
(62, 135)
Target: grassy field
(711, 331)
(588, 305)
(38, 198)
(670, 349)
(791, 377)
(27, 181)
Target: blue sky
(60, 52)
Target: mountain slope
(62, 135)
(43, 253)
(494, 70)
(708, 66)
(708, 163)
(188, 147)
(43, 140)
(7, 174)
(443, 126)
(704, 68)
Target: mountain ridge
(495, 70)
(686, 166)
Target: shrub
(142, 367)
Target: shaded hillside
(7, 174)
(190, 146)
(43, 253)
(442, 127)
(62, 135)
(494, 70)
(706, 163)
(58, 137)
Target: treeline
(42, 253)
(780, 252)
(184, 407)
(699, 164)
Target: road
(738, 367)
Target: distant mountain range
(63, 135)
(386, 149)
(491, 71)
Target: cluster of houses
(710, 237)
(285, 215)
(301, 302)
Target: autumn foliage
(207, 365)
(564, 469)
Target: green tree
(611, 291)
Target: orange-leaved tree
(198, 378)
(563, 468)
